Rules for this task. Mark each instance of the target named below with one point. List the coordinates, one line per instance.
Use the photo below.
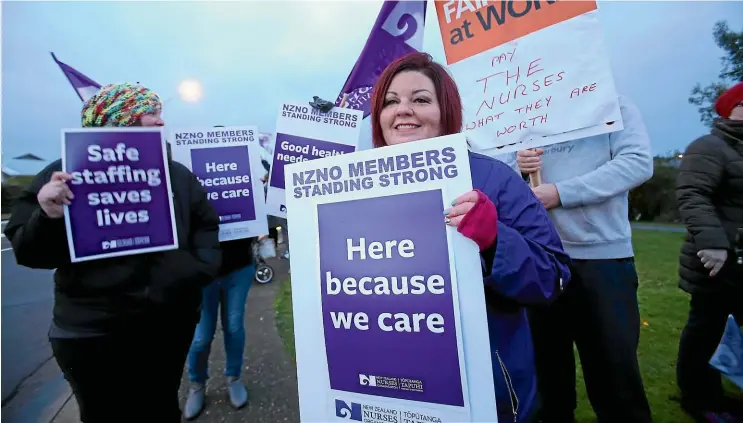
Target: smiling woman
(523, 262)
(412, 108)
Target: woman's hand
(474, 216)
(713, 259)
(54, 194)
(460, 206)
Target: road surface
(27, 297)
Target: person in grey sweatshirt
(585, 185)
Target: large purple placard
(293, 149)
(122, 199)
(224, 172)
(410, 352)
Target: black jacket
(118, 293)
(236, 254)
(709, 192)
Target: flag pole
(343, 101)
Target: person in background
(273, 221)
(585, 188)
(121, 326)
(709, 192)
(228, 292)
(276, 222)
(523, 260)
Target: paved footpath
(269, 371)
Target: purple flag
(397, 32)
(84, 86)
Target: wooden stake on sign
(535, 179)
(343, 101)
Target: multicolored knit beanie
(119, 105)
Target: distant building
(27, 164)
(9, 173)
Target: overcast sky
(251, 56)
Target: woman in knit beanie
(121, 326)
(710, 197)
(122, 105)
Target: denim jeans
(229, 292)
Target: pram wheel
(263, 273)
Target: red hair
(447, 93)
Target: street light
(190, 90)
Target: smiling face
(411, 109)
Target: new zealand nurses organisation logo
(397, 383)
(375, 414)
(366, 413)
(125, 242)
(344, 411)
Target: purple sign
(293, 149)
(224, 172)
(122, 199)
(388, 308)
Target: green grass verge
(284, 316)
(663, 309)
(662, 224)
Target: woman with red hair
(523, 259)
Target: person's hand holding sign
(529, 161)
(474, 216)
(54, 194)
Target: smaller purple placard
(292, 149)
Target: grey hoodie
(593, 177)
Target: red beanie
(729, 99)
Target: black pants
(599, 312)
(700, 384)
(131, 376)
(273, 233)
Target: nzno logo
(343, 411)
(367, 380)
(109, 244)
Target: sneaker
(237, 391)
(194, 402)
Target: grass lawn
(663, 309)
(664, 224)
